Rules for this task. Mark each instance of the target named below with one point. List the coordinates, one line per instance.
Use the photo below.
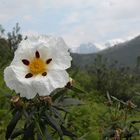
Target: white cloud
(14, 8)
(27, 17)
(100, 21)
(71, 19)
(81, 20)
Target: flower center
(37, 66)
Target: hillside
(125, 53)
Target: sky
(77, 21)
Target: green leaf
(17, 133)
(40, 134)
(57, 113)
(43, 130)
(70, 102)
(58, 93)
(11, 126)
(28, 131)
(108, 134)
(61, 108)
(48, 136)
(67, 133)
(77, 90)
(54, 124)
(116, 99)
(137, 93)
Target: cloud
(15, 8)
(71, 19)
(101, 21)
(77, 21)
(27, 17)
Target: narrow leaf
(78, 90)
(67, 133)
(70, 102)
(53, 123)
(17, 133)
(29, 132)
(118, 100)
(11, 126)
(58, 93)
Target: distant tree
(2, 30)
(138, 61)
(14, 38)
(9, 44)
(137, 69)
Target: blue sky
(77, 21)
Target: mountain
(87, 48)
(113, 42)
(125, 53)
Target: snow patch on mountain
(87, 48)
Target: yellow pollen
(37, 66)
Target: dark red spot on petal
(29, 75)
(48, 61)
(44, 73)
(37, 55)
(25, 62)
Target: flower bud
(16, 101)
(108, 103)
(70, 83)
(130, 104)
(47, 99)
(117, 136)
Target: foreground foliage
(101, 117)
(41, 118)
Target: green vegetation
(111, 100)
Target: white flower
(39, 66)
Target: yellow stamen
(37, 66)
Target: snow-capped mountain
(113, 42)
(126, 53)
(87, 48)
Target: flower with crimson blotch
(39, 66)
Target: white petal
(42, 86)
(60, 61)
(54, 79)
(14, 78)
(61, 58)
(24, 51)
(58, 78)
(56, 49)
(58, 42)
(48, 47)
